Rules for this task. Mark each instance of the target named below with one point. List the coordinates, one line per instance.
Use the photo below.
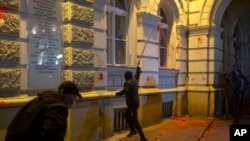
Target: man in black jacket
(130, 89)
(45, 117)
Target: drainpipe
(209, 91)
(187, 36)
(187, 54)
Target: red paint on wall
(100, 76)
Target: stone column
(204, 48)
(147, 23)
(181, 53)
(181, 65)
(78, 42)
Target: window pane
(109, 51)
(163, 53)
(120, 26)
(163, 37)
(120, 52)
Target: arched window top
(162, 14)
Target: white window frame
(116, 11)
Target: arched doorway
(236, 48)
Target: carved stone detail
(78, 57)
(12, 3)
(82, 57)
(83, 79)
(82, 35)
(78, 13)
(78, 35)
(11, 24)
(67, 56)
(67, 34)
(66, 75)
(9, 51)
(10, 78)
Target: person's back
(132, 98)
(42, 119)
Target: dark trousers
(241, 100)
(228, 107)
(132, 120)
(237, 107)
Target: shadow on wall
(96, 125)
(151, 111)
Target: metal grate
(119, 119)
(167, 108)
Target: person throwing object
(130, 89)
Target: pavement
(184, 129)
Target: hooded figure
(237, 95)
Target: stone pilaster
(147, 23)
(10, 48)
(181, 53)
(78, 41)
(203, 69)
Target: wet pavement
(184, 129)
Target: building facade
(181, 46)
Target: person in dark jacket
(130, 89)
(45, 117)
(246, 83)
(237, 95)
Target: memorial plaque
(44, 45)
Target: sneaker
(143, 139)
(131, 133)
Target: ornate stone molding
(9, 51)
(10, 78)
(83, 79)
(78, 57)
(78, 13)
(80, 35)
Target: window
(116, 32)
(163, 42)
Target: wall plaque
(44, 46)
